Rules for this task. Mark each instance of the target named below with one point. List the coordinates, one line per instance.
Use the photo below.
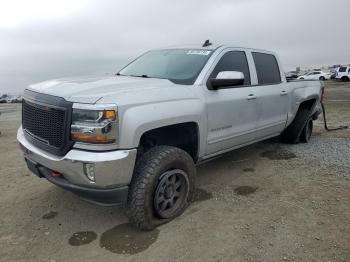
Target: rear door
(272, 96)
(231, 112)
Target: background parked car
(3, 98)
(291, 75)
(343, 73)
(316, 75)
(15, 99)
(334, 73)
(10, 99)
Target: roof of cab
(212, 47)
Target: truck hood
(113, 89)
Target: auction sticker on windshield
(198, 52)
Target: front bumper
(113, 170)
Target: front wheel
(322, 78)
(161, 188)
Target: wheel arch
(182, 135)
(344, 78)
(177, 116)
(308, 104)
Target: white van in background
(343, 73)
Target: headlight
(94, 126)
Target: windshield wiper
(144, 76)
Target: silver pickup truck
(134, 138)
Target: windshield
(181, 66)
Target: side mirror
(225, 79)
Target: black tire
(322, 78)
(345, 78)
(307, 131)
(152, 168)
(292, 133)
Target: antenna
(207, 43)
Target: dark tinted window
(342, 69)
(317, 73)
(266, 68)
(349, 70)
(233, 61)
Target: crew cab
(134, 138)
(315, 75)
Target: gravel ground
(327, 151)
(265, 202)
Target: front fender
(137, 120)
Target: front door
(231, 112)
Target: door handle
(283, 93)
(251, 97)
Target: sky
(48, 39)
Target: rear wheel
(161, 188)
(293, 131)
(322, 78)
(345, 78)
(307, 131)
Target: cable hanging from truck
(325, 121)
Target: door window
(267, 68)
(233, 61)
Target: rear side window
(349, 70)
(233, 61)
(267, 68)
(342, 69)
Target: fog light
(89, 170)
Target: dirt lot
(267, 202)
